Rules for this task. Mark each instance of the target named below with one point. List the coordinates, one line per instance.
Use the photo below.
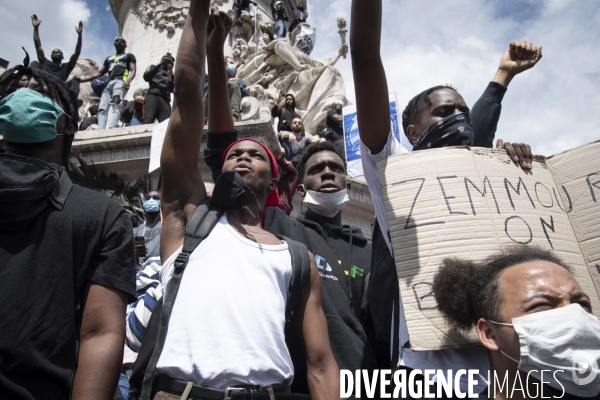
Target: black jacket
(348, 339)
(156, 76)
(486, 113)
(286, 115)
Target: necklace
(246, 229)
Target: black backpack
(197, 229)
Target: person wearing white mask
(149, 229)
(531, 315)
(342, 252)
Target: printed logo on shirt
(324, 267)
(355, 271)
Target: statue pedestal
(126, 152)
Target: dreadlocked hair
(410, 113)
(312, 150)
(55, 87)
(466, 290)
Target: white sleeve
(369, 162)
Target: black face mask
(229, 193)
(454, 130)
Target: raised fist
(79, 29)
(219, 26)
(35, 21)
(519, 57)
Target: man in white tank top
(227, 323)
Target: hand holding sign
(520, 153)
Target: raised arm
(519, 57)
(75, 56)
(36, 37)
(183, 188)
(370, 83)
(322, 370)
(219, 110)
(333, 58)
(292, 6)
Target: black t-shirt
(337, 130)
(43, 270)
(118, 65)
(61, 71)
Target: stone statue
(85, 67)
(315, 84)
(163, 14)
(153, 27)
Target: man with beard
(435, 118)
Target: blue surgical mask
(27, 116)
(231, 69)
(151, 205)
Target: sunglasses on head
(154, 196)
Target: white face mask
(326, 204)
(566, 338)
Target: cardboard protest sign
(461, 202)
(158, 138)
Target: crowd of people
(235, 299)
(111, 83)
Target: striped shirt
(149, 292)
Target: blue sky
(554, 107)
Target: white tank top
(227, 323)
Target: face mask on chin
(327, 205)
(229, 192)
(565, 344)
(454, 130)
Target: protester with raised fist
(238, 344)
(437, 117)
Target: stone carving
(250, 108)
(163, 14)
(278, 66)
(85, 67)
(341, 22)
(271, 65)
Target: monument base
(126, 152)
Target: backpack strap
(197, 229)
(300, 277)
